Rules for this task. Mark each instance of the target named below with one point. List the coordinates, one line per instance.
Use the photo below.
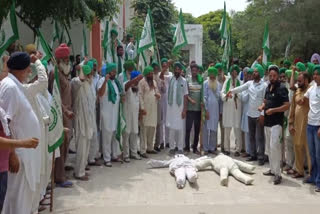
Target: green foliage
(163, 17)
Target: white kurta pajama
(109, 120)
(231, 117)
(174, 120)
(130, 135)
(84, 123)
(24, 124)
(149, 103)
(40, 87)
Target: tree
(163, 17)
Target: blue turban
(134, 74)
(104, 70)
(18, 61)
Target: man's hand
(157, 95)
(259, 59)
(294, 68)
(30, 143)
(5, 59)
(207, 115)
(261, 120)
(292, 130)
(260, 108)
(107, 78)
(270, 111)
(183, 114)
(229, 94)
(33, 58)
(70, 114)
(14, 163)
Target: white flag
(8, 30)
(147, 36)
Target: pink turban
(62, 51)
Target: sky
(200, 7)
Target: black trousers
(256, 133)
(193, 118)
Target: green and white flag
(55, 34)
(147, 38)
(286, 55)
(223, 29)
(105, 40)
(266, 46)
(43, 46)
(84, 49)
(56, 131)
(179, 38)
(227, 52)
(8, 30)
(121, 126)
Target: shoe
(308, 180)
(286, 168)
(161, 146)
(196, 152)
(236, 154)
(187, 150)
(118, 159)
(71, 151)
(172, 152)
(157, 149)
(317, 189)
(96, 163)
(268, 173)
(152, 152)
(245, 155)
(252, 159)
(87, 168)
(291, 172)
(127, 160)
(297, 175)
(277, 180)
(144, 155)
(135, 157)
(108, 164)
(260, 162)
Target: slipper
(66, 184)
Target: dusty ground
(133, 188)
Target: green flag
(227, 52)
(84, 51)
(179, 38)
(55, 34)
(147, 38)
(105, 40)
(43, 46)
(223, 29)
(121, 126)
(286, 55)
(56, 130)
(8, 29)
(266, 46)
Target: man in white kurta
(176, 108)
(231, 110)
(131, 113)
(24, 123)
(109, 91)
(148, 97)
(85, 120)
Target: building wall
(194, 35)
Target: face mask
(65, 68)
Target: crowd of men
(268, 109)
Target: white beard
(213, 84)
(65, 68)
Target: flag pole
(52, 180)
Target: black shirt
(274, 99)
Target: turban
(147, 70)
(201, 68)
(31, 48)
(250, 71)
(111, 67)
(287, 63)
(301, 66)
(212, 71)
(155, 64)
(310, 68)
(218, 66)
(163, 60)
(289, 74)
(260, 69)
(314, 57)
(134, 74)
(234, 68)
(316, 68)
(282, 70)
(114, 31)
(90, 64)
(18, 61)
(129, 35)
(297, 60)
(128, 64)
(104, 70)
(62, 51)
(94, 61)
(44, 63)
(178, 64)
(86, 69)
